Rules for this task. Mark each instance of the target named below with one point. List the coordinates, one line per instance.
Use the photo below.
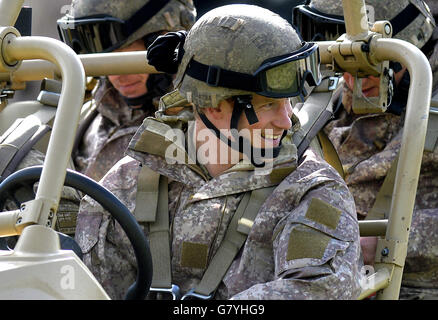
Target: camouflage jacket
(107, 137)
(303, 244)
(367, 145)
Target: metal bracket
(6, 33)
(32, 212)
(391, 251)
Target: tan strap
(153, 195)
(159, 240)
(146, 200)
(151, 206)
(382, 204)
(234, 239)
(329, 153)
(315, 112)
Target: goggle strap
(404, 18)
(150, 9)
(218, 77)
(319, 16)
(399, 22)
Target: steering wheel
(140, 288)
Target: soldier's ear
(223, 110)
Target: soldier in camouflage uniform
(367, 144)
(121, 101)
(302, 239)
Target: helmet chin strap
(242, 104)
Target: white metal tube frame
(394, 246)
(9, 12)
(67, 114)
(96, 64)
(412, 146)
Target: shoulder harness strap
(382, 204)
(152, 208)
(314, 114)
(233, 241)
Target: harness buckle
(173, 290)
(192, 295)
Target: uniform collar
(154, 138)
(112, 106)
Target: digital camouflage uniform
(291, 252)
(304, 240)
(108, 135)
(103, 143)
(367, 145)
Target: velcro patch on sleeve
(194, 255)
(324, 213)
(305, 242)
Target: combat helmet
(239, 50)
(411, 20)
(235, 51)
(94, 26)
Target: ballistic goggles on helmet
(314, 25)
(277, 77)
(317, 26)
(104, 33)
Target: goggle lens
(280, 79)
(286, 76)
(92, 37)
(314, 27)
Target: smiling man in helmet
(368, 144)
(120, 102)
(219, 228)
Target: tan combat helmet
(411, 20)
(230, 44)
(237, 50)
(94, 26)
